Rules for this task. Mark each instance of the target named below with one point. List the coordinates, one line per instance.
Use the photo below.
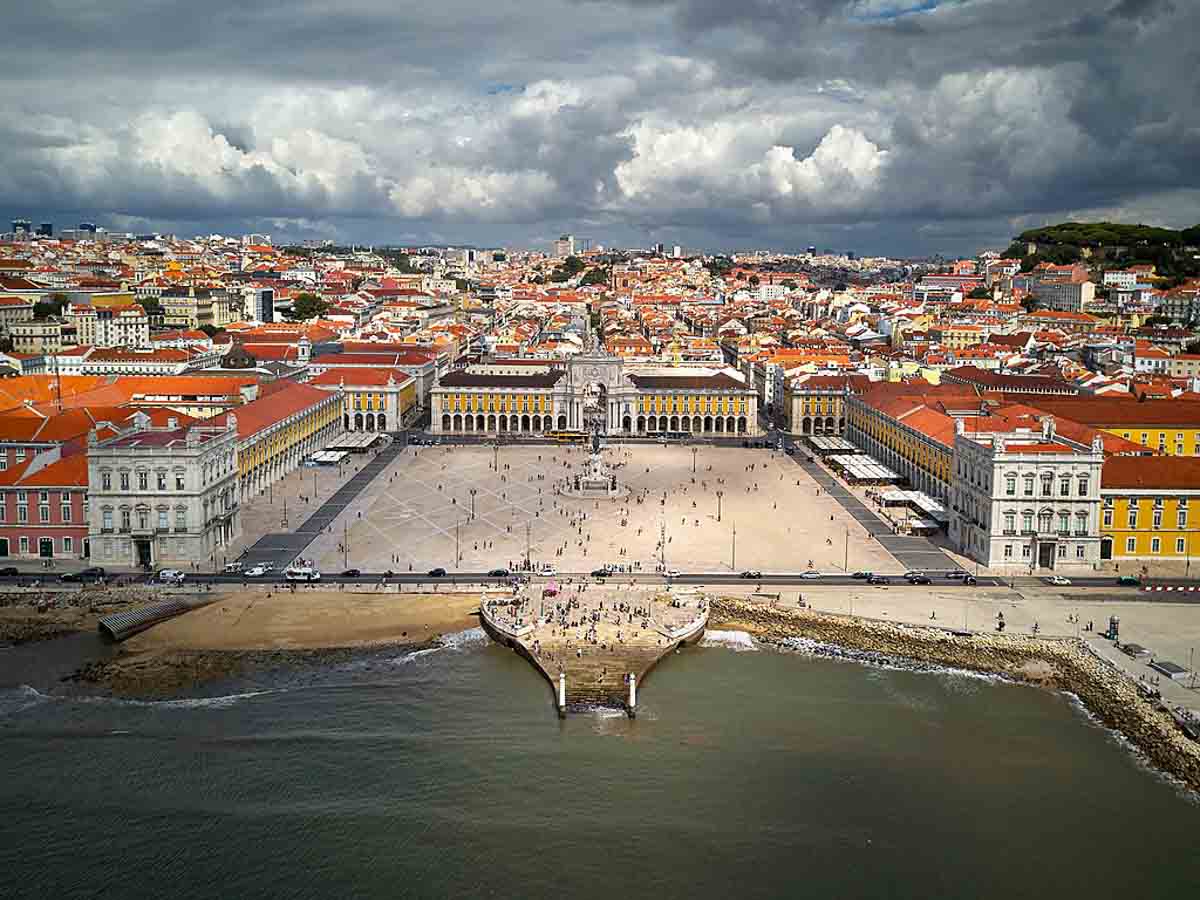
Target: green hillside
(1107, 244)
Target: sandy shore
(254, 630)
(40, 615)
(1060, 664)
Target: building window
(1130, 545)
(179, 481)
(1010, 486)
(1155, 545)
(1181, 516)
(64, 512)
(68, 545)
(1083, 486)
(1064, 522)
(1133, 513)
(1062, 551)
(1010, 522)
(1047, 485)
(125, 520)
(1027, 522)
(43, 513)
(107, 520)
(1158, 518)
(1025, 551)
(162, 481)
(1180, 545)
(1079, 551)
(180, 519)
(1108, 518)
(1008, 551)
(20, 454)
(162, 519)
(124, 481)
(22, 514)
(1028, 485)
(24, 545)
(1064, 487)
(106, 480)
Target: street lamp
(695, 450)
(473, 492)
(720, 494)
(733, 550)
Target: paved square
(421, 507)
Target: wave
(739, 641)
(875, 659)
(18, 699)
(460, 640)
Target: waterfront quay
(595, 645)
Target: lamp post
(283, 521)
(527, 563)
(496, 455)
(720, 494)
(457, 556)
(733, 550)
(345, 545)
(473, 492)
(695, 450)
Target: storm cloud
(886, 126)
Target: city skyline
(890, 128)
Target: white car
(255, 571)
(810, 574)
(672, 573)
(1059, 580)
(171, 576)
(547, 571)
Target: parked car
(1128, 580)
(970, 579)
(256, 571)
(878, 579)
(235, 566)
(439, 572)
(1058, 580)
(352, 573)
(171, 576)
(919, 579)
(547, 571)
(752, 573)
(672, 573)
(914, 573)
(498, 573)
(94, 573)
(956, 574)
(601, 573)
(810, 574)
(9, 570)
(861, 575)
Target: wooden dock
(589, 657)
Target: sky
(898, 127)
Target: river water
(747, 774)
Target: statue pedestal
(594, 483)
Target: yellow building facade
(913, 449)
(1164, 526)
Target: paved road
(280, 548)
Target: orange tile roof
(279, 404)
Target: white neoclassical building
(162, 496)
(1025, 498)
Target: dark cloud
(881, 125)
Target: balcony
(1009, 532)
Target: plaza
(717, 509)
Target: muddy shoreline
(1062, 665)
(172, 673)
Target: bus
(568, 437)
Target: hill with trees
(1111, 244)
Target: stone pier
(602, 639)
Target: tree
(980, 293)
(211, 330)
(789, 284)
(1029, 303)
(151, 305)
(50, 306)
(6, 344)
(307, 306)
(753, 281)
(595, 276)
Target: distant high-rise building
(87, 228)
(264, 305)
(812, 251)
(677, 251)
(46, 229)
(850, 255)
(565, 246)
(22, 225)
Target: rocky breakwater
(1058, 664)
